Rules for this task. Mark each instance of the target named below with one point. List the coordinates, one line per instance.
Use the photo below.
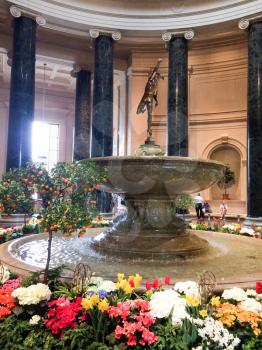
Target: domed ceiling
(139, 20)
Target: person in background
(223, 210)
(198, 200)
(206, 207)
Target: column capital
(187, 34)
(18, 12)
(115, 35)
(77, 68)
(244, 23)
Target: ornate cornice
(18, 12)
(245, 22)
(115, 34)
(136, 17)
(188, 34)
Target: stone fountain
(149, 184)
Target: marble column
(254, 121)
(102, 119)
(177, 98)
(82, 115)
(22, 93)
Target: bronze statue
(150, 95)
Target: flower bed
(233, 228)
(9, 233)
(116, 316)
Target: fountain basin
(149, 185)
(160, 177)
(28, 254)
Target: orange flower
(228, 314)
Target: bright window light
(45, 143)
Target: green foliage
(175, 338)
(17, 187)
(227, 180)
(184, 201)
(202, 226)
(28, 228)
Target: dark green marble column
(102, 119)
(254, 122)
(177, 98)
(22, 93)
(82, 115)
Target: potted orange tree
(226, 181)
(16, 193)
(67, 206)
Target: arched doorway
(230, 156)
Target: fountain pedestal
(149, 229)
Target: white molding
(79, 16)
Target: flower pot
(10, 220)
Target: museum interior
(131, 144)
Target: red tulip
(148, 286)
(155, 284)
(132, 284)
(167, 280)
(259, 287)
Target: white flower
(234, 293)
(214, 333)
(192, 226)
(108, 286)
(167, 301)
(259, 296)
(250, 304)
(251, 293)
(32, 294)
(34, 320)
(96, 281)
(187, 288)
(248, 231)
(229, 227)
(4, 274)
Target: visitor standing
(206, 207)
(198, 200)
(223, 210)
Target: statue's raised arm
(150, 95)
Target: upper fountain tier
(158, 177)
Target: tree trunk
(50, 237)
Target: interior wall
(217, 90)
